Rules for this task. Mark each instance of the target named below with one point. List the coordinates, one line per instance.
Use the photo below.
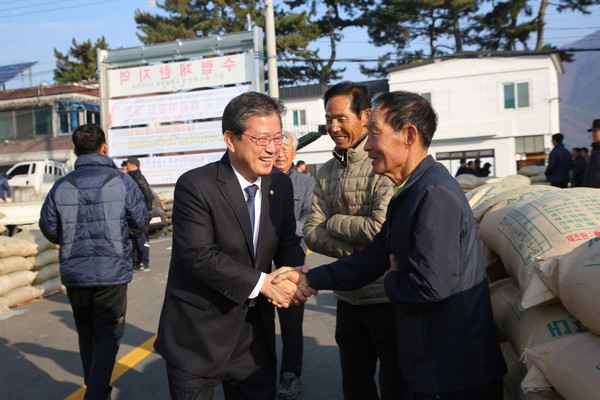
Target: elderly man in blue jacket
(90, 213)
(429, 250)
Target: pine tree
(298, 24)
(402, 23)
(79, 63)
(196, 18)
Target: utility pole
(271, 52)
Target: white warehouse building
(500, 107)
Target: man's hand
(358, 247)
(393, 264)
(298, 276)
(280, 293)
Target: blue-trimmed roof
(7, 72)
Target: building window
(7, 130)
(25, 127)
(73, 114)
(43, 121)
(529, 144)
(299, 117)
(516, 95)
(451, 160)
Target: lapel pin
(271, 192)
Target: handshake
(286, 286)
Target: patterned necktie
(251, 192)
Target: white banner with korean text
(179, 107)
(166, 139)
(166, 170)
(182, 75)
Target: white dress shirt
(257, 209)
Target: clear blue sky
(33, 28)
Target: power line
(35, 5)
(57, 9)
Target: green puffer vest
(349, 207)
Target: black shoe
(290, 386)
(144, 267)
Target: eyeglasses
(265, 141)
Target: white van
(39, 175)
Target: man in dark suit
(231, 220)
(428, 250)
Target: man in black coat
(140, 244)
(559, 163)
(592, 171)
(231, 220)
(578, 167)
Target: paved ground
(39, 356)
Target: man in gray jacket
(290, 319)
(349, 207)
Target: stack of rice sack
(469, 182)
(494, 196)
(572, 364)
(545, 240)
(535, 173)
(28, 268)
(167, 202)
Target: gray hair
(292, 139)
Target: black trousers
(562, 185)
(249, 373)
(99, 314)
(491, 391)
(140, 247)
(367, 334)
(292, 339)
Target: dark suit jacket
(213, 269)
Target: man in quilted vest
(90, 213)
(349, 206)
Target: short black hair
(558, 137)
(406, 108)
(361, 100)
(247, 105)
(88, 139)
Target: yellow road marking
(122, 365)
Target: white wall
(315, 114)
(468, 96)
(318, 152)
